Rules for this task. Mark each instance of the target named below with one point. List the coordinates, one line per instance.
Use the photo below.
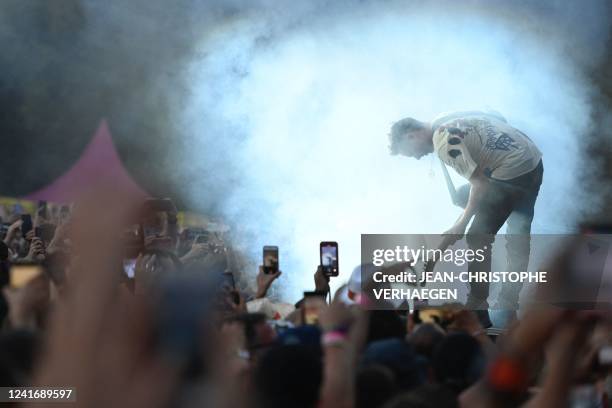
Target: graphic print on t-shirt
(501, 151)
(501, 142)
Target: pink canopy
(98, 167)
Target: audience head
(398, 356)
(458, 361)
(288, 376)
(425, 338)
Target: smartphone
(311, 309)
(154, 225)
(22, 273)
(228, 280)
(202, 239)
(158, 218)
(26, 224)
(328, 251)
(192, 233)
(270, 259)
(129, 265)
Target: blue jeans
(510, 201)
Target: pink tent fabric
(99, 166)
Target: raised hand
(264, 281)
(321, 280)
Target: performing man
(504, 169)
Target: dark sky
(63, 73)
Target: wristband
(508, 375)
(333, 338)
(341, 328)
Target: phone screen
(313, 303)
(203, 238)
(155, 224)
(21, 274)
(129, 265)
(26, 224)
(329, 258)
(270, 259)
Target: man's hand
(30, 235)
(234, 300)
(336, 315)
(37, 251)
(454, 234)
(12, 230)
(350, 325)
(321, 280)
(479, 185)
(62, 232)
(264, 280)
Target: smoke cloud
(275, 116)
(298, 105)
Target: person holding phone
(12, 232)
(159, 224)
(268, 271)
(504, 168)
(328, 256)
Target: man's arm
(479, 186)
(453, 150)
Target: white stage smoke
(302, 104)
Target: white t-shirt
(470, 139)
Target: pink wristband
(333, 338)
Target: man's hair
(399, 129)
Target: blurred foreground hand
(99, 339)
